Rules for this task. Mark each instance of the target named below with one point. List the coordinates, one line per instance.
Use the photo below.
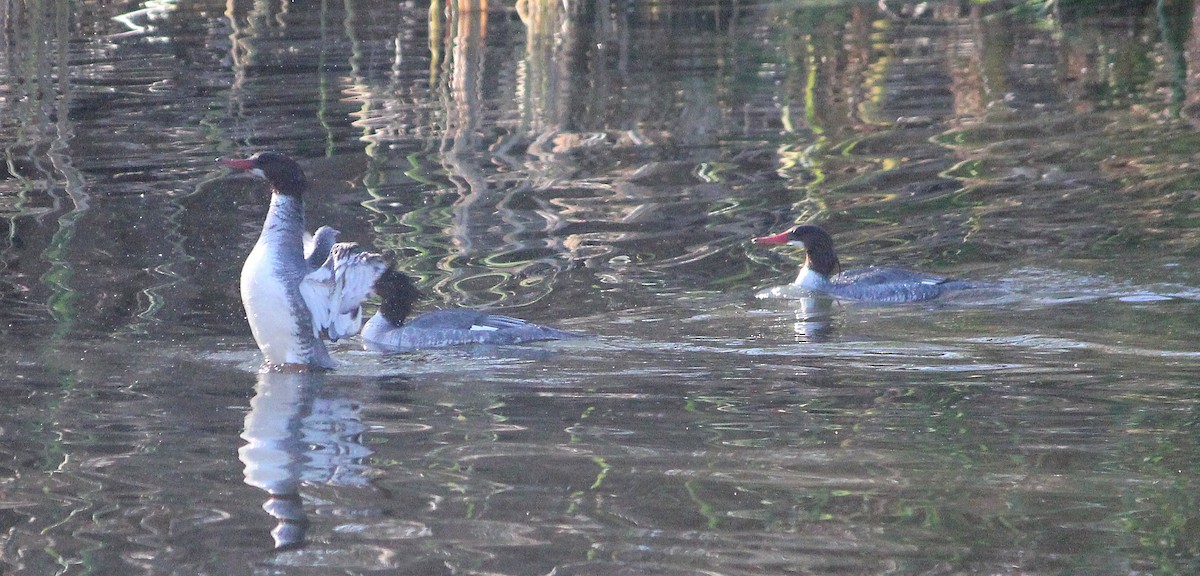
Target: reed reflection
(463, 102)
(300, 431)
(39, 92)
(474, 241)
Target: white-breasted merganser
(884, 285)
(390, 330)
(296, 295)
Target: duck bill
(776, 240)
(236, 163)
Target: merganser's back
(873, 284)
(390, 330)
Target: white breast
(268, 302)
(810, 280)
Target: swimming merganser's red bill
(776, 240)
(246, 164)
(821, 267)
(390, 330)
(299, 290)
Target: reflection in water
(463, 101)
(138, 21)
(813, 318)
(1174, 25)
(295, 434)
(41, 95)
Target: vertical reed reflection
(456, 232)
(461, 142)
(243, 53)
(1175, 25)
(325, 88)
(542, 74)
(40, 157)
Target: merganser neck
(284, 224)
(293, 186)
(399, 293)
(819, 255)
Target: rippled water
(600, 167)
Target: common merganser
(390, 329)
(298, 293)
(885, 285)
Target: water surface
(601, 168)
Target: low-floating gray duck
(874, 284)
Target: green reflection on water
(705, 509)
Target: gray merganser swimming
(297, 295)
(388, 330)
(884, 285)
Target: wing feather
(316, 288)
(498, 322)
(336, 291)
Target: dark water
(600, 168)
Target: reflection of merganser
(869, 284)
(297, 295)
(391, 330)
(301, 432)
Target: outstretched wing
(335, 292)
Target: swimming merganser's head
(398, 293)
(284, 174)
(817, 243)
